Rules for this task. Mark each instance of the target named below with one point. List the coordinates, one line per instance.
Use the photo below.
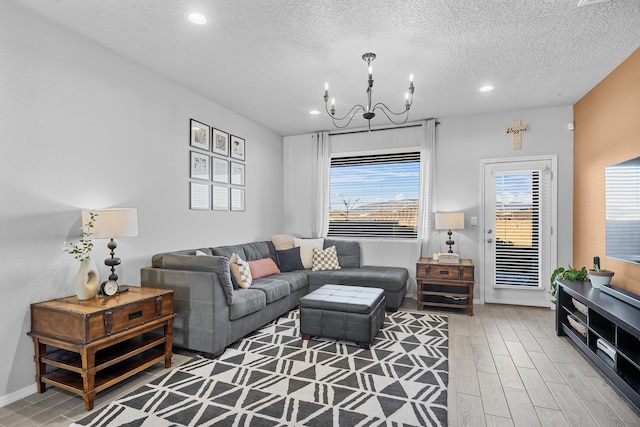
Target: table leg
(41, 368)
(470, 300)
(168, 344)
(88, 358)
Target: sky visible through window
(375, 183)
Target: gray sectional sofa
(213, 312)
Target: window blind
(375, 195)
(520, 218)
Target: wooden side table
(445, 285)
(87, 346)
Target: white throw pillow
(325, 260)
(241, 271)
(306, 249)
(282, 241)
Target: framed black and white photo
(220, 170)
(199, 196)
(220, 142)
(237, 199)
(199, 135)
(237, 173)
(220, 198)
(199, 166)
(237, 147)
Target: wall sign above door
(516, 130)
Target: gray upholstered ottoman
(350, 313)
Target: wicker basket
(577, 325)
(580, 306)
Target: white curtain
(321, 166)
(428, 187)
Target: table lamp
(449, 221)
(111, 223)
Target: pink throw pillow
(263, 267)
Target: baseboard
(17, 395)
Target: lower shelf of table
(73, 381)
(71, 361)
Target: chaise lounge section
(213, 311)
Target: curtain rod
(379, 129)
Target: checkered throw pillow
(325, 259)
(241, 271)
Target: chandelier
(369, 110)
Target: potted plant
(86, 282)
(599, 277)
(570, 274)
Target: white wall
(81, 127)
(461, 143)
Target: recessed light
(196, 18)
(487, 88)
(314, 112)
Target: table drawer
(445, 272)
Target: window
(375, 195)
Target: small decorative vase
(87, 281)
(600, 278)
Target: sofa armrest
(214, 264)
(200, 304)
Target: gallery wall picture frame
(199, 196)
(199, 165)
(237, 199)
(237, 148)
(220, 142)
(237, 173)
(199, 135)
(220, 170)
(219, 198)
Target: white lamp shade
(111, 223)
(449, 220)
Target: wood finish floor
(507, 368)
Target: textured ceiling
(268, 60)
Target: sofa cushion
(247, 301)
(273, 287)
(259, 250)
(240, 271)
(227, 251)
(306, 249)
(325, 259)
(348, 252)
(216, 264)
(289, 259)
(297, 279)
(391, 279)
(263, 267)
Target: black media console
(607, 330)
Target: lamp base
(450, 242)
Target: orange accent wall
(607, 131)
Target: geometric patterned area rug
(274, 378)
